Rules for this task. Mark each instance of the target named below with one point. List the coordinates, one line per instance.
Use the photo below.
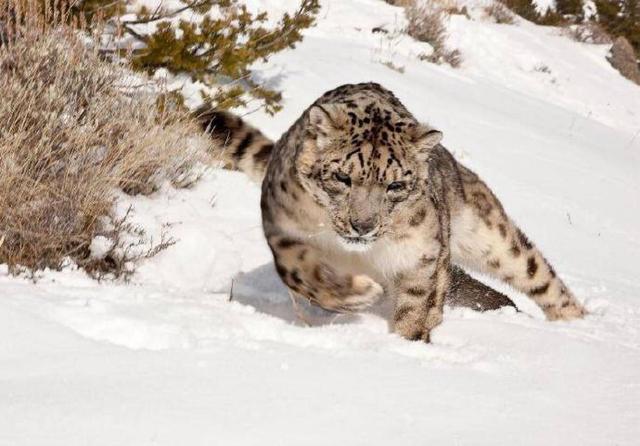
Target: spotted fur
(359, 200)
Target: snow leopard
(361, 200)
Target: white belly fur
(381, 261)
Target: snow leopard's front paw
(414, 324)
(346, 294)
(364, 293)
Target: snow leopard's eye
(397, 186)
(342, 178)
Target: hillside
(204, 347)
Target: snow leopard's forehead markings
(372, 139)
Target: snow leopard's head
(366, 165)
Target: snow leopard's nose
(363, 227)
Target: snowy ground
(176, 358)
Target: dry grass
(499, 13)
(401, 3)
(589, 32)
(72, 131)
(426, 23)
(394, 67)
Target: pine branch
(134, 34)
(157, 16)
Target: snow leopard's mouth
(358, 240)
(357, 243)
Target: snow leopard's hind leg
(465, 291)
(484, 238)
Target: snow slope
(186, 355)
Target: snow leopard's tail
(238, 145)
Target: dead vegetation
(402, 3)
(73, 130)
(499, 13)
(427, 23)
(589, 32)
(394, 67)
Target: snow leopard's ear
(325, 122)
(424, 137)
(326, 119)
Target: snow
(204, 346)
(100, 247)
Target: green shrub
(524, 8)
(621, 18)
(219, 51)
(527, 10)
(216, 46)
(572, 8)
